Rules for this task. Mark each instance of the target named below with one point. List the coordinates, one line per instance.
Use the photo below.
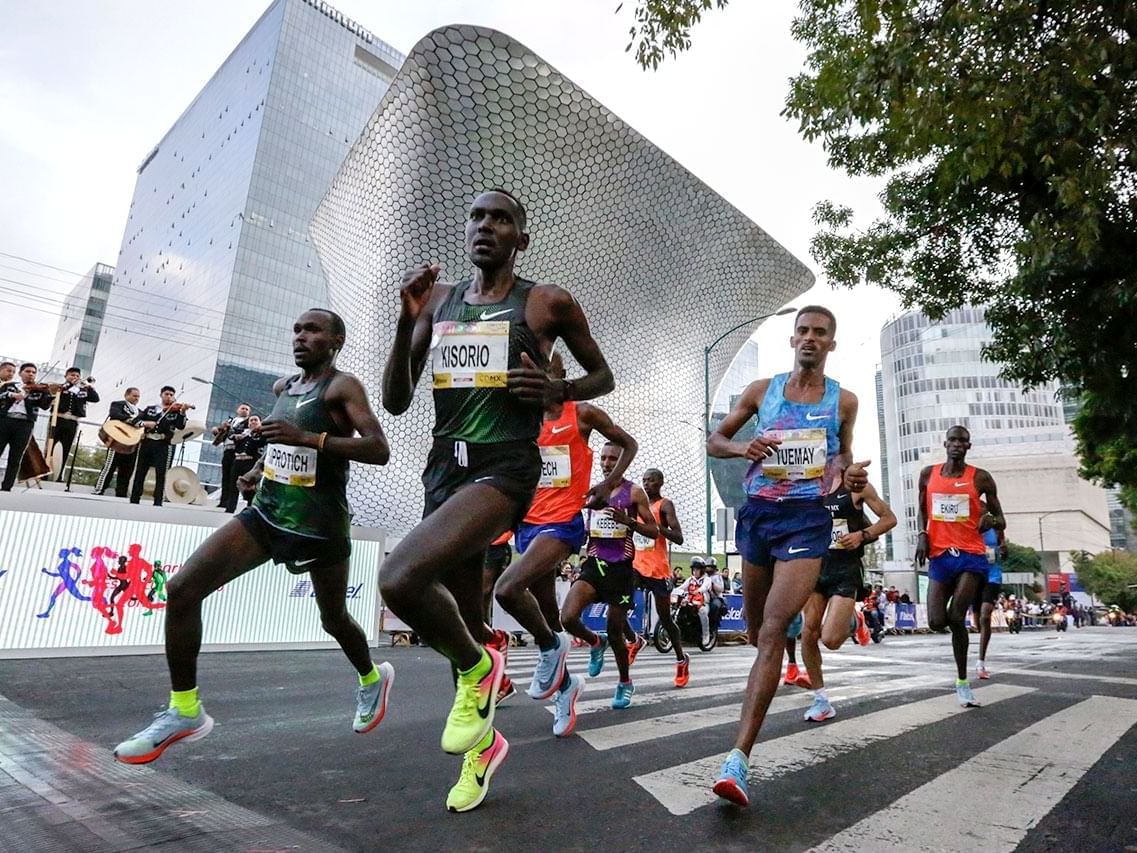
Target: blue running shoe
(623, 697)
(731, 784)
(820, 711)
(965, 696)
(564, 706)
(596, 656)
(550, 670)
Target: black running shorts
(839, 577)
(615, 583)
(511, 467)
(299, 554)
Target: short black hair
(966, 431)
(818, 309)
(654, 472)
(128, 390)
(338, 325)
(72, 370)
(522, 216)
(28, 364)
(7, 364)
(246, 405)
(169, 388)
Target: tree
(664, 27)
(1021, 558)
(1108, 576)
(1007, 134)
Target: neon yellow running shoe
(471, 717)
(477, 770)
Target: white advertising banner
(98, 585)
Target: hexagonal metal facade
(661, 264)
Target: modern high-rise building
(216, 260)
(882, 432)
(81, 322)
(933, 377)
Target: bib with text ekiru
(556, 467)
(290, 465)
(800, 456)
(951, 508)
(470, 354)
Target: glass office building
(216, 261)
(81, 323)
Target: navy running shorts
(766, 531)
(949, 565)
(572, 533)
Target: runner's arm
(669, 523)
(885, 517)
(370, 446)
(847, 411)
(719, 442)
(571, 325)
(590, 418)
(922, 518)
(985, 485)
(418, 297)
(644, 525)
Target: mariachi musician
(118, 464)
(20, 400)
(227, 433)
(160, 422)
(249, 446)
(73, 399)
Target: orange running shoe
(802, 680)
(505, 691)
(862, 633)
(634, 648)
(792, 673)
(683, 671)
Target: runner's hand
(416, 288)
(621, 517)
(283, 432)
(532, 384)
(921, 550)
(986, 522)
(852, 541)
(598, 495)
(856, 478)
(760, 447)
(247, 485)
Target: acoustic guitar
(120, 436)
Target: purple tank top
(608, 540)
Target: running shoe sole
(387, 674)
(730, 791)
(495, 763)
(827, 716)
(192, 735)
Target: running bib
(951, 508)
(601, 525)
(470, 355)
(800, 456)
(643, 543)
(556, 468)
(840, 528)
(290, 466)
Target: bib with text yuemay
(951, 508)
(556, 468)
(840, 528)
(289, 465)
(603, 526)
(470, 355)
(800, 456)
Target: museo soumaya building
(661, 263)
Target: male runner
(607, 575)
(952, 521)
(996, 544)
(654, 569)
(836, 591)
(802, 441)
(553, 528)
(488, 339)
(299, 517)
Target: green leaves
(1108, 577)
(663, 27)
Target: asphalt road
(1048, 762)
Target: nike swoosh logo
(304, 562)
(484, 711)
(304, 402)
(556, 430)
(489, 315)
(815, 417)
(960, 485)
(797, 550)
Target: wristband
(320, 441)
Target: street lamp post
(707, 403)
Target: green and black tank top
(470, 351)
(303, 490)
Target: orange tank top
(651, 554)
(566, 468)
(953, 513)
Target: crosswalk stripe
(626, 734)
(1017, 792)
(685, 787)
(1077, 676)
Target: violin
(178, 408)
(49, 387)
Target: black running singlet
(303, 490)
(470, 351)
(847, 518)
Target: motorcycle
(686, 617)
(1059, 621)
(1014, 623)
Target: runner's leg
(617, 619)
(663, 611)
(838, 622)
(812, 613)
(330, 585)
(580, 595)
(965, 585)
(515, 589)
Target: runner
(488, 338)
(803, 439)
(654, 570)
(836, 592)
(553, 528)
(952, 521)
(607, 575)
(995, 542)
(299, 517)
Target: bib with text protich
(290, 465)
(951, 508)
(800, 456)
(840, 528)
(470, 355)
(556, 467)
(603, 526)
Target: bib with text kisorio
(800, 456)
(951, 508)
(289, 465)
(470, 355)
(556, 468)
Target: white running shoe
(965, 696)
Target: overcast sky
(87, 89)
